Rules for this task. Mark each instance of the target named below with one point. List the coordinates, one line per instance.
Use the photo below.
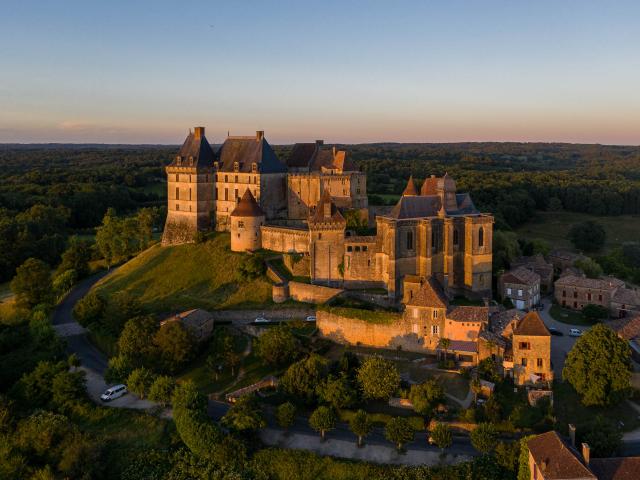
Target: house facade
(521, 286)
(576, 292)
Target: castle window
(589, 296)
(254, 168)
(226, 178)
(435, 313)
(236, 166)
(523, 361)
(320, 236)
(364, 248)
(455, 236)
(240, 224)
(409, 240)
(481, 237)
(433, 240)
(190, 160)
(177, 193)
(189, 194)
(539, 363)
(236, 194)
(226, 194)
(349, 248)
(236, 181)
(435, 329)
(564, 293)
(177, 207)
(357, 249)
(524, 346)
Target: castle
(300, 206)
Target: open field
(177, 278)
(553, 227)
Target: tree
(426, 396)
(399, 431)
(337, 391)
(524, 473)
(276, 346)
(599, 367)
(32, 283)
(378, 378)
(505, 249)
(588, 236)
(322, 420)
(176, 344)
(445, 343)
(67, 389)
(252, 266)
(89, 309)
(63, 282)
(286, 415)
(507, 455)
(134, 341)
(595, 313)
(484, 437)
(121, 307)
(161, 390)
(555, 204)
(590, 267)
(441, 436)
(139, 381)
(301, 378)
(118, 369)
(603, 436)
(109, 239)
(76, 257)
(361, 425)
(244, 415)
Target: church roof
(532, 325)
(410, 189)
(247, 206)
(195, 151)
(430, 294)
(246, 151)
(319, 216)
(429, 206)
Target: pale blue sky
(144, 72)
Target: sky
(344, 71)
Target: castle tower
(190, 181)
(326, 242)
(246, 220)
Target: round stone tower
(246, 220)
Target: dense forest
(49, 192)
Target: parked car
(575, 332)
(311, 318)
(113, 392)
(261, 319)
(555, 331)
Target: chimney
(586, 453)
(334, 150)
(319, 142)
(572, 434)
(198, 132)
(259, 135)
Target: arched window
(481, 237)
(409, 240)
(455, 236)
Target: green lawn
(568, 409)
(553, 227)
(453, 383)
(566, 315)
(188, 276)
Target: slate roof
(626, 296)
(500, 321)
(468, 314)
(195, 151)
(247, 206)
(521, 276)
(430, 186)
(430, 294)
(246, 151)
(318, 216)
(302, 154)
(428, 206)
(605, 283)
(618, 468)
(463, 346)
(531, 325)
(410, 189)
(628, 328)
(493, 337)
(556, 459)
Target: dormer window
(254, 167)
(216, 165)
(236, 166)
(190, 161)
(179, 160)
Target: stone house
(553, 458)
(539, 265)
(562, 258)
(197, 321)
(521, 286)
(531, 343)
(628, 328)
(576, 292)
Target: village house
(576, 292)
(198, 322)
(553, 458)
(539, 265)
(562, 258)
(521, 286)
(628, 328)
(531, 344)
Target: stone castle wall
(307, 293)
(285, 239)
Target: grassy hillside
(188, 276)
(554, 227)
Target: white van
(114, 392)
(574, 332)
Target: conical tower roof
(247, 206)
(410, 189)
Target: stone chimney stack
(586, 453)
(259, 135)
(572, 434)
(334, 151)
(198, 132)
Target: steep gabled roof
(604, 283)
(556, 459)
(430, 294)
(617, 468)
(468, 314)
(246, 151)
(195, 151)
(531, 325)
(430, 186)
(627, 328)
(332, 159)
(247, 206)
(521, 276)
(410, 189)
(301, 155)
(326, 205)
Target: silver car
(114, 392)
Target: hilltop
(203, 275)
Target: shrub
(89, 309)
(139, 381)
(399, 431)
(425, 397)
(277, 346)
(161, 390)
(286, 415)
(484, 437)
(378, 378)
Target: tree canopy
(378, 378)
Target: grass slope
(554, 227)
(188, 276)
